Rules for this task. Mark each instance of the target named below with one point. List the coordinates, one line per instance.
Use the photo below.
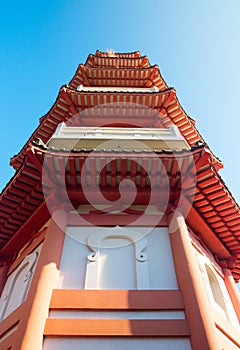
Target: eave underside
(190, 174)
(129, 77)
(120, 109)
(169, 176)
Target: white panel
(116, 344)
(17, 285)
(110, 133)
(116, 269)
(161, 266)
(74, 258)
(120, 315)
(17, 288)
(117, 258)
(224, 306)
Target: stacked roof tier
(104, 108)
(125, 91)
(210, 198)
(125, 70)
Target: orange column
(197, 308)
(233, 291)
(31, 326)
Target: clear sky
(195, 43)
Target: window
(216, 289)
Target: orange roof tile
(207, 192)
(104, 108)
(117, 62)
(129, 77)
(210, 197)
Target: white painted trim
(71, 132)
(119, 315)
(117, 89)
(116, 343)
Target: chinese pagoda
(116, 230)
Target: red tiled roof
(117, 62)
(19, 200)
(210, 198)
(128, 77)
(102, 108)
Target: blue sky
(195, 43)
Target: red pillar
(31, 325)
(197, 308)
(233, 291)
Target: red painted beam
(89, 195)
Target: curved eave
(216, 205)
(206, 191)
(119, 62)
(128, 77)
(20, 198)
(209, 196)
(159, 109)
(23, 195)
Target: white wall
(117, 258)
(116, 344)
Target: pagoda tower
(116, 230)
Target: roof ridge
(112, 53)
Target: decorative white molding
(97, 239)
(17, 285)
(143, 138)
(143, 260)
(116, 89)
(171, 133)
